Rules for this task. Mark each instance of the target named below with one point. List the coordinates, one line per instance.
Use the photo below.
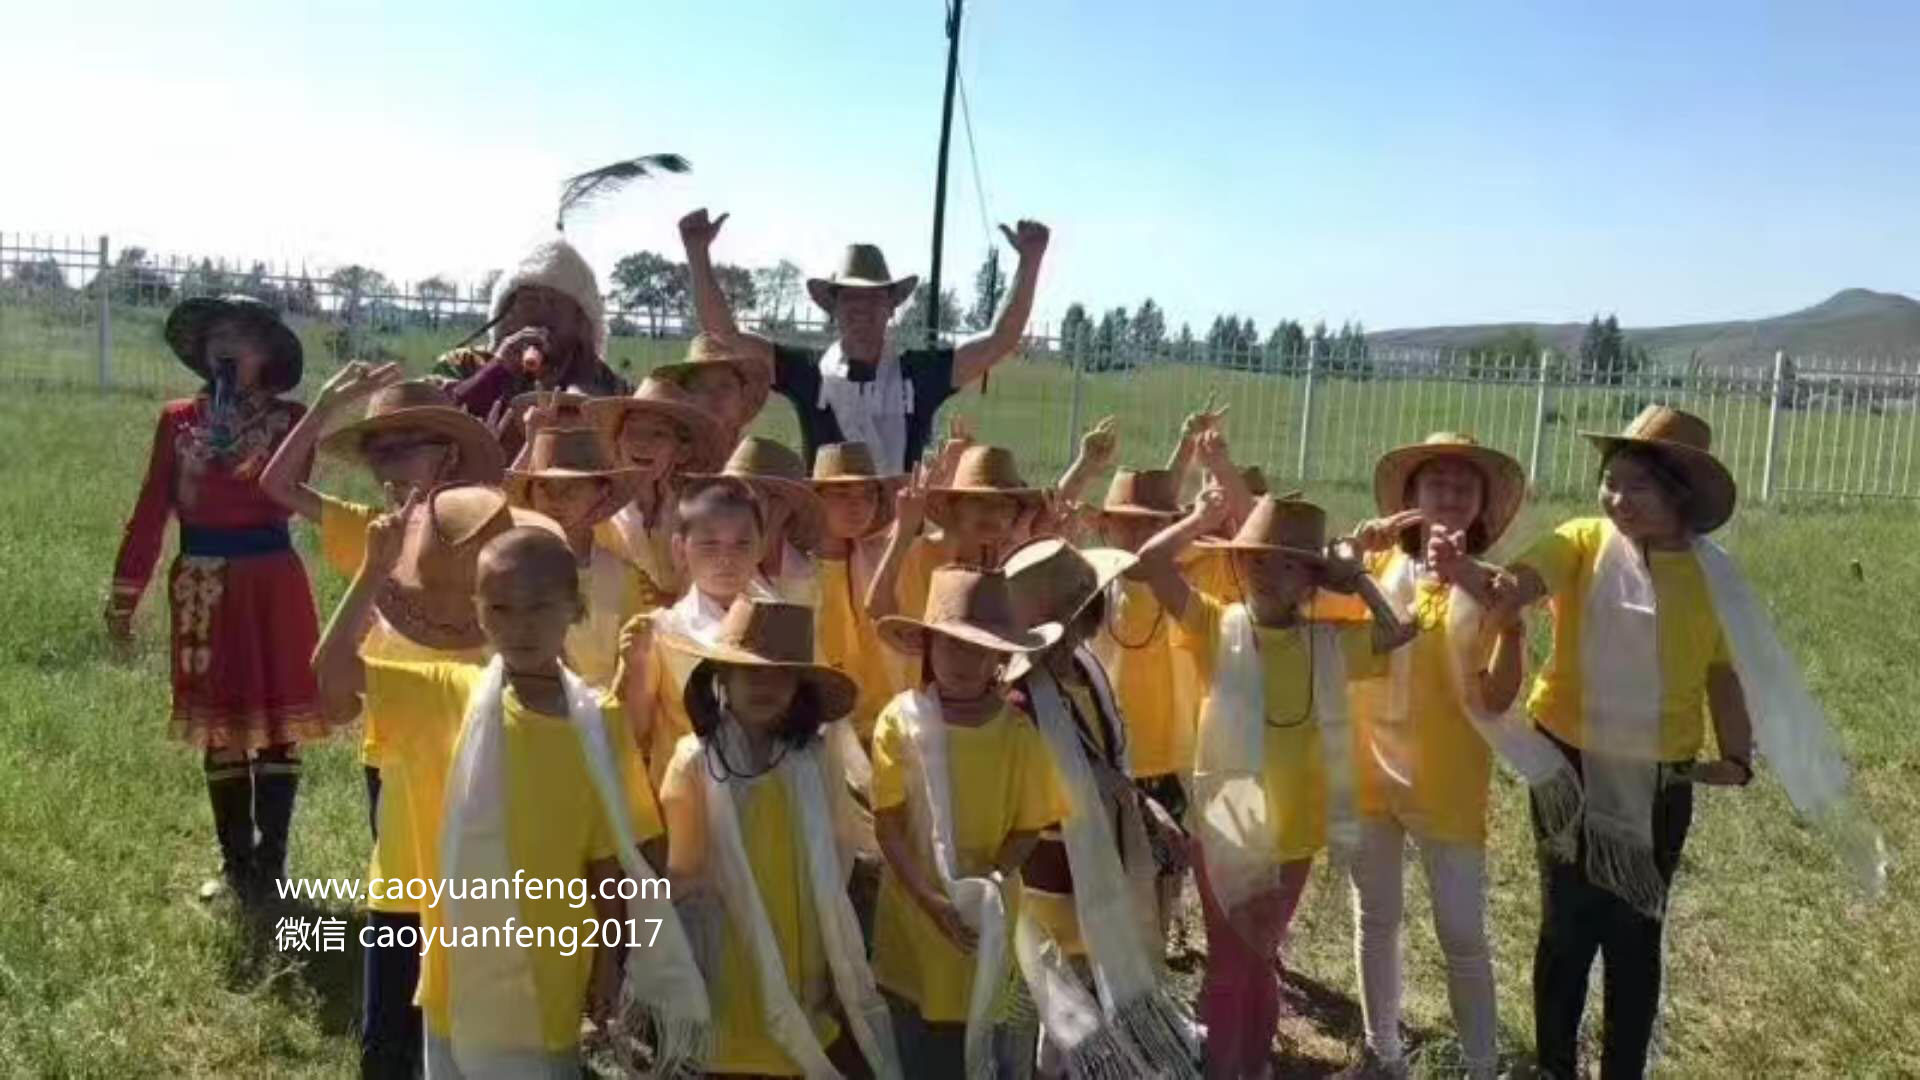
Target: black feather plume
(610, 178)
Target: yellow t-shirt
(1690, 639)
(1294, 778)
(343, 543)
(1155, 686)
(1450, 763)
(1001, 784)
(845, 639)
(1211, 570)
(555, 823)
(742, 1042)
(923, 557)
(615, 590)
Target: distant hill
(1851, 323)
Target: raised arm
(337, 666)
(1195, 425)
(977, 356)
(1211, 449)
(1159, 558)
(710, 304)
(1097, 449)
(284, 479)
(909, 512)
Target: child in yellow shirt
(984, 509)
(856, 505)
(792, 511)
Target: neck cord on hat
(725, 770)
(1112, 618)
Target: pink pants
(1240, 993)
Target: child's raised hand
(356, 380)
(1098, 446)
(1446, 551)
(910, 502)
(1206, 419)
(1210, 509)
(1379, 534)
(545, 413)
(1211, 449)
(636, 639)
(386, 535)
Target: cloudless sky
(1402, 163)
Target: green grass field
(108, 967)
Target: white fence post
(105, 280)
(1075, 348)
(1539, 420)
(1773, 427)
(1306, 410)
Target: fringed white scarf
(495, 1006)
(811, 785)
(873, 412)
(979, 900)
(1555, 785)
(1131, 1024)
(1237, 837)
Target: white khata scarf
(873, 412)
(813, 787)
(495, 1006)
(1237, 837)
(981, 904)
(1131, 1025)
(1620, 701)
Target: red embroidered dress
(244, 627)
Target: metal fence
(79, 313)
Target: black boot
(230, 789)
(276, 778)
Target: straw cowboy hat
(429, 598)
(982, 471)
(1684, 442)
(556, 265)
(189, 321)
(705, 352)
(776, 474)
(973, 606)
(663, 399)
(768, 634)
(1505, 481)
(862, 267)
(1290, 526)
(1053, 581)
(1142, 493)
(423, 406)
(844, 463)
(573, 453)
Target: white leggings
(1457, 880)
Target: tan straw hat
(429, 598)
(851, 463)
(705, 352)
(769, 634)
(666, 400)
(574, 453)
(1053, 581)
(1505, 481)
(776, 474)
(982, 471)
(1142, 493)
(1683, 441)
(423, 406)
(1293, 526)
(861, 267)
(972, 605)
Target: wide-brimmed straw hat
(429, 598)
(1142, 493)
(862, 267)
(982, 471)
(769, 634)
(1684, 441)
(1292, 526)
(423, 406)
(189, 321)
(1053, 581)
(705, 352)
(574, 453)
(662, 398)
(1505, 481)
(971, 605)
(776, 474)
(845, 463)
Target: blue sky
(1398, 163)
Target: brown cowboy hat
(1142, 493)
(770, 634)
(189, 321)
(705, 352)
(1293, 526)
(862, 267)
(663, 399)
(1504, 478)
(776, 474)
(573, 453)
(420, 405)
(1053, 581)
(982, 471)
(1684, 441)
(429, 598)
(843, 463)
(971, 605)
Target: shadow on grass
(323, 983)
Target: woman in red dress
(243, 619)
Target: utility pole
(940, 173)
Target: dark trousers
(1579, 919)
(373, 800)
(390, 1032)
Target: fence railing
(76, 312)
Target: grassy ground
(108, 967)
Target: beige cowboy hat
(768, 634)
(429, 598)
(705, 352)
(776, 474)
(971, 605)
(1053, 582)
(663, 399)
(1293, 526)
(420, 405)
(1684, 441)
(574, 453)
(845, 463)
(1505, 480)
(982, 471)
(1142, 493)
(862, 267)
